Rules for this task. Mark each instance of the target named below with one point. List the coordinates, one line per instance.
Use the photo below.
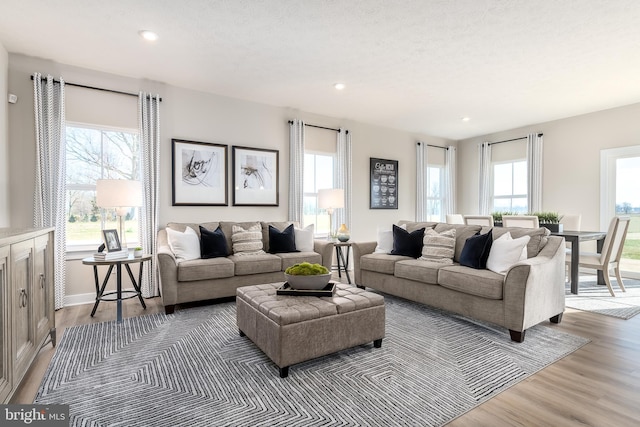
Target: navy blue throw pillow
(282, 241)
(476, 250)
(407, 244)
(213, 244)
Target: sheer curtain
(484, 167)
(149, 128)
(534, 172)
(421, 181)
(296, 170)
(450, 190)
(50, 189)
(342, 177)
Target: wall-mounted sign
(383, 192)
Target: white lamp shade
(116, 193)
(331, 198)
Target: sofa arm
(168, 268)
(325, 249)
(534, 289)
(359, 249)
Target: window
(318, 174)
(435, 192)
(94, 153)
(510, 186)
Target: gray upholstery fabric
(463, 232)
(292, 258)
(253, 264)
(483, 283)
(382, 263)
(419, 270)
(536, 243)
(205, 269)
(413, 226)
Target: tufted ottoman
(293, 329)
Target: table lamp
(331, 199)
(120, 194)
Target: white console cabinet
(27, 316)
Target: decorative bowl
(315, 282)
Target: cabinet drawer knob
(42, 280)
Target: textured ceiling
(416, 65)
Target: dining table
(575, 237)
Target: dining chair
(571, 222)
(522, 221)
(454, 219)
(483, 220)
(611, 253)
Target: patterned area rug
(192, 368)
(597, 299)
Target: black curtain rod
(319, 127)
(511, 140)
(94, 88)
(434, 146)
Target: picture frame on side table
(255, 176)
(111, 240)
(383, 188)
(199, 173)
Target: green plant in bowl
(307, 276)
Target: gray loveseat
(530, 292)
(211, 278)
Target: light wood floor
(598, 385)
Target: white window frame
(430, 197)
(83, 247)
(319, 211)
(511, 196)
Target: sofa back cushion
(463, 232)
(538, 237)
(412, 226)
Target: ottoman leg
(284, 372)
(377, 343)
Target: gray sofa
(530, 292)
(203, 279)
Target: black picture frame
(199, 173)
(111, 240)
(256, 176)
(383, 187)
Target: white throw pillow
(385, 239)
(185, 246)
(247, 241)
(304, 238)
(506, 251)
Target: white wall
(198, 116)
(4, 138)
(571, 168)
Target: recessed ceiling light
(148, 35)
(339, 86)
(465, 119)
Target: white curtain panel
(50, 189)
(421, 181)
(484, 195)
(450, 190)
(296, 170)
(534, 172)
(342, 177)
(149, 128)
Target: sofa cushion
(418, 270)
(482, 283)
(538, 237)
(411, 226)
(304, 238)
(506, 251)
(292, 258)
(385, 239)
(282, 241)
(254, 264)
(205, 269)
(247, 240)
(213, 244)
(381, 263)
(181, 226)
(184, 245)
(463, 232)
(439, 247)
(407, 244)
(476, 251)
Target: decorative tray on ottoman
(327, 291)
